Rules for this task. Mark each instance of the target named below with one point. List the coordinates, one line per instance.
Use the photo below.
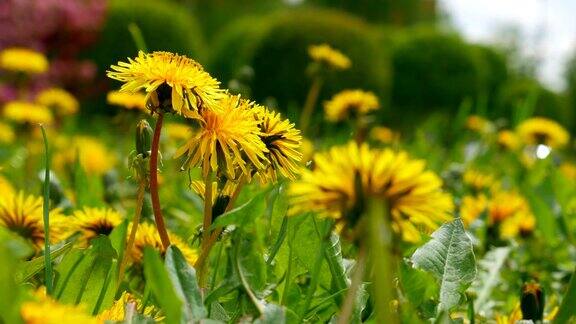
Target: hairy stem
(132, 236)
(154, 183)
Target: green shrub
(165, 26)
(275, 46)
(434, 70)
(494, 73)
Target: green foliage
(434, 70)
(88, 276)
(12, 249)
(450, 258)
(165, 26)
(275, 46)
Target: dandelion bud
(532, 302)
(143, 138)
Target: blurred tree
(394, 12)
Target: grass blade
(46, 215)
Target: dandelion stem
(350, 301)
(380, 238)
(132, 237)
(154, 183)
(310, 103)
(46, 215)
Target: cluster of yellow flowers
(234, 136)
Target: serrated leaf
(183, 278)
(158, 280)
(450, 258)
(88, 276)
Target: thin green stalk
(137, 37)
(279, 240)
(381, 259)
(244, 282)
(132, 236)
(288, 273)
(310, 103)
(46, 215)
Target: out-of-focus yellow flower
(93, 155)
(177, 132)
(47, 311)
(478, 180)
(117, 311)
(62, 102)
(538, 130)
(568, 169)
(25, 112)
(384, 135)
(228, 138)
(307, 150)
(147, 235)
(282, 142)
(509, 140)
(22, 215)
(329, 56)
(128, 100)
(521, 223)
(23, 60)
(479, 124)
(349, 103)
(344, 176)
(512, 213)
(91, 222)
(472, 207)
(7, 135)
(6, 187)
(169, 77)
(516, 315)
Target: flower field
(150, 179)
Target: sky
(547, 29)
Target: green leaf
(545, 219)
(273, 314)
(244, 214)
(184, 281)
(567, 311)
(489, 277)
(30, 268)
(118, 238)
(88, 276)
(419, 286)
(158, 280)
(450, 258)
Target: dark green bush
(434, 71)
(494, 73)
(275, 46)
(165, 26)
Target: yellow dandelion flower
(61, 101)
(568, 169)
(93, 155)
(147, 235)
(506, 204)
(282, 142)
(117, 312)
(23, 60)
(479, 124)
(187, 86)
(350, 103)
(509, 140)
(307, 150)
(7, 135)
(25, 112)
(329, 56)
(91, 222)
(48, 311)
(6, 187)
(128, 100)
(177, 132)
(478, 180)
(226, 135)
(413, 194)
(472, 207)
(521, 223)
(538, 130)
(384, 135)
(512, 318)
(22, 214)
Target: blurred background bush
(404, 51)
